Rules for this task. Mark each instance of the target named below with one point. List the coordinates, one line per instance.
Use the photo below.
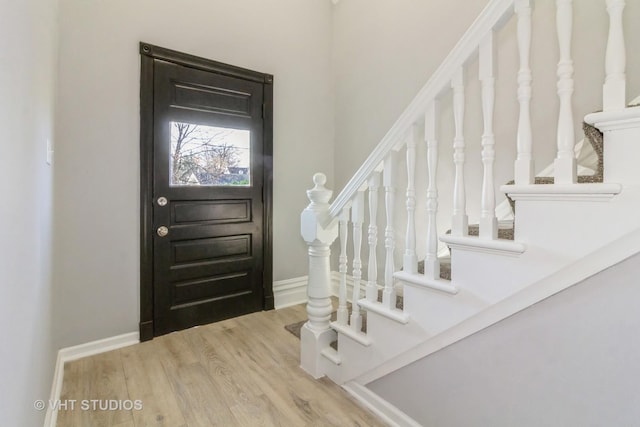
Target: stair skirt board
(585, 267)
(382, 408)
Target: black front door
(209, 170)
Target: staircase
(561, 225)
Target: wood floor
(238, 372)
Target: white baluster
(524, 166)
(410, 258)
(357, 218)
(565, 163)
(372, 274)
(488, 220)
(389, 293)
(614, 90)
(431, 262)
(316, 334)
(460, 221)
(343, 311)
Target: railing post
(431, 262)
(389, 181)
(372, 272)
(565, 164)
(460, 221)
(524, 166)
(343, 311)
(410, 259)
(316, 333)
(357, 218)
(488, 220)
(614, 90)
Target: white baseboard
(51, 417)
(294, 291)
(382, 408)
(290, 292)
(335, 286)
(77, 352)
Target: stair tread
(595, 138)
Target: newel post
(316, 334)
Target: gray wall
(96, 263)
(27, 352)
(570, 360)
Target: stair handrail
(493, 16)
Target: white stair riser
(622, 151)
(389, 338)
(436, 311)
(573, 229)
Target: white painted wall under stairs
(566, 361)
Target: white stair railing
(524, 165)
(565, 164)
(389, 181)
(460, 221)
(321, 223)
(410, 257)
(357, 218)
(431, 262)
(343, 312)
(488, 220)
(614, 89)
(372, 276)
(316, 334)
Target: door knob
(162, 201)
(162, 231)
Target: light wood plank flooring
(238, 372)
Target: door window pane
(209, 155)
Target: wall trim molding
(76, 352)
(335, 286)
(382, 408)
(293, 291)
(290, 292)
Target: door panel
(208, 210)
(213, 211)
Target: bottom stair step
(332, 354)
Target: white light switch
(49, 152)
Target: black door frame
(148, 53)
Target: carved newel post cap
(314, 215)
(319, 195)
